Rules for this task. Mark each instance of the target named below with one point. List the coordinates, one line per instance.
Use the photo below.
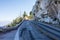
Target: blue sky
(10, 9)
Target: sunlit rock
(47, 11)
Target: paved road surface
(8, 36)
(26, 31)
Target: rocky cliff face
(47, 11)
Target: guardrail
(11, 28)
(50, 31)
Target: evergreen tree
(31, 14)
(24, 14)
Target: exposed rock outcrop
(47, 11)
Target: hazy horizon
(3, 23)
(10, 9)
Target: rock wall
(47, 11)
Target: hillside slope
(47, 11)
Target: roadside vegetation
(19, 19)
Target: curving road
(32, 30)
(27, 31)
